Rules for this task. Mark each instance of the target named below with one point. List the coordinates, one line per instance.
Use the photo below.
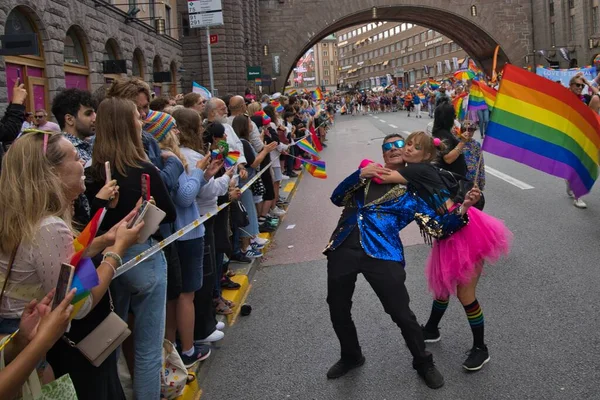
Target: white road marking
(507, 178)
(393, 126)
(382, 120)
(406, 132)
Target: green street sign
(253, 72)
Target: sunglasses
(398, 144)
(579, 85)
(39, 116)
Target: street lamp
(266, 50)
(473, 10)
(159, 25)
(374, 12)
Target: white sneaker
(213, 337)
(278, 211)
(285, 177)
(220, 326)
(260, 241)
(579, 203)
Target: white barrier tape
(188, 228)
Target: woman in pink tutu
(455, 263)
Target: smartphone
(63, 286)
(146, 187)
(107, 171)
(18, 76)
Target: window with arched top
(28, 69)
(173, 85)
(111, 51)
(137, 69)
(157, 67)
(76, 61)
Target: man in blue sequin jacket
(367, 241)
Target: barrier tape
(188, 228)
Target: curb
(244, 275)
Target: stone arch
(157, 66)
(173, 85)
(77, 58)
(138, 64)
(112, 50)
(507, 25)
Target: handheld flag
(316, 168)
(306, 146)
(433, 84)
(277, 106)
(317, 94)
(232, 158)
(201, 90)
(476, 98)
(315, 139)
(543, 125)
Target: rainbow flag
(435, 85)
(476, 98)
(421, 96)
(85, 277)
(315, 139)
(316, 168)
(306, 146)
(459, 108)
(543, 125)
(489, 95)
(317, 94)
(232, 158)
(293, 92)
(265, 117)
(277, 106)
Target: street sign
(214, 39)
(205, 13)
(253, 72)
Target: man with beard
(367, 241)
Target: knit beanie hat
(158, 124)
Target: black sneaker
(227, 283)
(478, 356)
(431, 336)
(201, 352)
(341, 368)
(432, 377)
(240, 258)
(292, 174)
(266, 228)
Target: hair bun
(437, 142)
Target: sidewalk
(243, 276)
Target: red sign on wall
(214, 39)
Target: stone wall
(97, 24)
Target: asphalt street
(540, 304)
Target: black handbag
(258, 187)
(239, 215)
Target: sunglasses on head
(398, 144)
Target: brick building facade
(76, 37)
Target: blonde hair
(426, 142)
(190, 129)
(128, 88)
(171, 143)
(117, 138)
(30, 188)
(253, 108)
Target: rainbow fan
(232, 158)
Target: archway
(173, 85)
(157, 67)
(137, 69)
(477, 28)
(29, 69)
(112, 52)
(76, 66)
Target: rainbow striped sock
(475, 317)
(438, 308)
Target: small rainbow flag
(421, 96)
(435, 85)
(264, 116)
(476, 98)
(316, 168)
(85, 277)
(232, 158)
(315, 139)
(306, 146)
(317, 94)
(459, 108)
(293, 92)
(543, 125)
(277, 106)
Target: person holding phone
(143, 288)
(12, 121)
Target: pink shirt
(49, 126)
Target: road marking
(288, 187)
(382, 120)
(406, 132)
(393, 126)
(507, 178)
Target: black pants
(205, 321)
(387, 280)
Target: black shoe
(227, 283)
(341, 368)
(432, 377)
(292, 174)
(265, 228)
(478, 356)
(431, 336)
(240, 258)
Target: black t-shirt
(248, 152)
(459, 166)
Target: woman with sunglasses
(473, 155)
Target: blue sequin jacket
(380, 221)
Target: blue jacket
(170, 170)
(380, 221)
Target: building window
(572, 27)
(595, 19)
(438, 51)
(417, 56)
(423, 55)
(326, 81)
(416, 39)
(385, 35)
(387, 49)
(453, 47)
(167, 20)
(410, 41)
(397, 29)
(411, 59)
(551, 7)
(326, 72)
(430, 53)
(403, 27)
(324, 44)
(380, 36)
(325, 63)
(422, 36)
(571, 4)
(325, 54)
(445, 48)
(74, 52)
(151, 11)
(430, 34)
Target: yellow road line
(289, 186)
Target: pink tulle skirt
(457, 259)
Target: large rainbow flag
(489, 94)
(541, 124)
(433, 84)
(317, 94)
(476, 98)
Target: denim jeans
(484, 119)
(251, 229)
(9, 325)
(143, 290)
